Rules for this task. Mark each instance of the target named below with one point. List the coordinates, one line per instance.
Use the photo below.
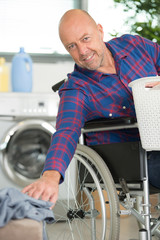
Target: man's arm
(70, 120)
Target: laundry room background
(45, 75)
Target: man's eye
(71, 46)
(86, 39)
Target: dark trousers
(154, 168)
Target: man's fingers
(35, 193)
(33, 190)
(152, 84)
(53, 199)
(43, 194)
(26, 189)
(45, 188)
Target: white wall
(46, 75)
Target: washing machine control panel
(29, 104)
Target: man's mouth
(86, 59)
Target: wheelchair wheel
(88, 203)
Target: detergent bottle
(21, 72)
(4, 75)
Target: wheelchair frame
(128, 203)
(135, 200)
(128, 196)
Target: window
(111, 16)
(32, 24)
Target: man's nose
(82, 49)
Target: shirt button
(110, 114)
(124, 107)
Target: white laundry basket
(147, 106)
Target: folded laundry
(16, 205)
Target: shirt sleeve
(153, 50)
(70, 120)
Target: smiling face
(83, 39)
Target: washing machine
(27, 122)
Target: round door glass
(27, 151)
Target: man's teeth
(88, 57)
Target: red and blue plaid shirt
(89, 95)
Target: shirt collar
(94, 75)
(116, 54)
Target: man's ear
(100, 29)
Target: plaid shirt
(91, 95)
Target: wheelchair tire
(88, 205)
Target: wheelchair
(104, 178)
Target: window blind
(32, 24)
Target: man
(97, 88)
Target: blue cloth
(16, 205)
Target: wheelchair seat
(128, 160)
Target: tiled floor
(128, 227)
(128, 231)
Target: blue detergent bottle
(21, 72)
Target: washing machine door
(24, 150)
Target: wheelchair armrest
(109, 123)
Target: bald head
(74, 16)
(75, 13)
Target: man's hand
(45, 188)
(152, 84)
